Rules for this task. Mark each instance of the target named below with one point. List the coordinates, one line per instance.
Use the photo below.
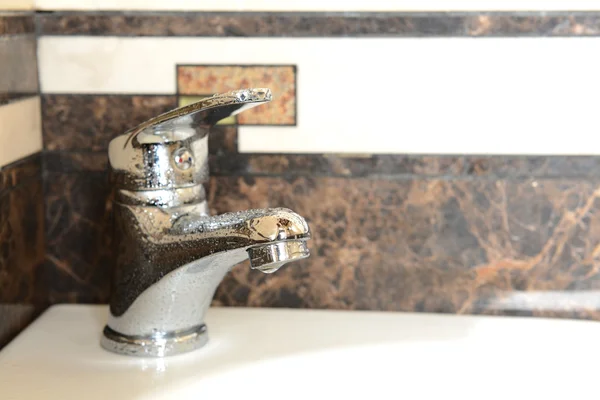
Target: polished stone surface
(89, 122)
(321, 24)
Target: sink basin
(310, 354)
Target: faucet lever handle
(200, 115)
(171, 150)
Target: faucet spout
(271, 237)
(167, 276)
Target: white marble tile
(319, 5)
(20, 130)
(385, 95)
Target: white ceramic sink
(311, 354)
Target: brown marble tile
(22, 244)
(281, 79)
(427, 245)
(223, 141)
(406, 166)
(322, 24)
(75, 161)
(19, 172)
(82, 122)
(16, 23)
(18, 69)
(457, 246)
(78, 238)
(14, 318)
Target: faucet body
(170, 253)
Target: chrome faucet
(170, 255)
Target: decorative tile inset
(205, 80)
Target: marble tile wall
(456, 231)
(486, 204)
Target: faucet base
(161, 344)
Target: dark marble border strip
(380, 166)
(20, 172)
(16, 24)
(398, 166)
(472, 24)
